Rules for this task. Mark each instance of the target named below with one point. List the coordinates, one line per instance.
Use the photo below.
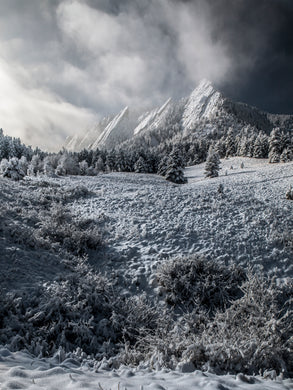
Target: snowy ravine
(145, 221)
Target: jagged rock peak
(203, 102)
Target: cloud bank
(66, 62)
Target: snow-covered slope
(146, 222)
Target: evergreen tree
(275, 146)
(230, 144)
(141, 165)
(100, 165)
(212, 166)
(163, 166)
(175, 172)
(287, 155)
(260, 147)
(111, 161)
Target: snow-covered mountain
(205, 111)
(204, 102)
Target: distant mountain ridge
(204, 113)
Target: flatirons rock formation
(205, 112)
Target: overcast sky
(63, 63)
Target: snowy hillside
(69, 244)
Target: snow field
(21, 371)
(145, 221)
(148, 220)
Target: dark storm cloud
(260, 39)
(64, 61)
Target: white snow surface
(19, 370)
(148, 220)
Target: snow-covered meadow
(126, 226)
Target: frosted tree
(230, 144)
(275, 145)
(111, 161)
(220, 148)
(141, 165)
(175, 172)
(260, 147)
(35, 166)
(163, 166)
(83, 168)
(120, 161)
(48, 168)
(212, 166)
(287, 155)
(100, 165)
(67, 165)
(23, 164)
(243, 146)
(12, 169)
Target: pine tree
(287, 155)
(111, 160)
(260, 147)
(230, 144)
(212, 166)
(275, 147)
(141, 165)
(175, 172)
(163, 166)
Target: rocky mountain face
(206, 112)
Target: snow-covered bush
(197, 282)
(255, 333)
(14, 168)
(84, 310)
(69, 313)
(58, 227)
(83, 168)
